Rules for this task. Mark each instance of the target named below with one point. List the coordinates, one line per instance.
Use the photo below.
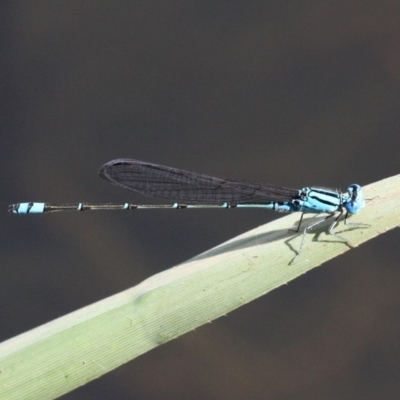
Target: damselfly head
(356, 199)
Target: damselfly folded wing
(190, 187)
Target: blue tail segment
(193, 190)
(27, 208)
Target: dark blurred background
(292, 93)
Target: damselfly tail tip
(27, 208)
(13, 208)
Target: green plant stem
(70, 351)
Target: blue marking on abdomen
(30, 208)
